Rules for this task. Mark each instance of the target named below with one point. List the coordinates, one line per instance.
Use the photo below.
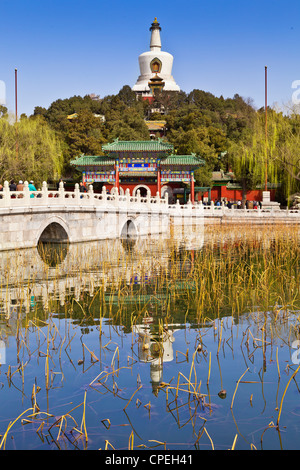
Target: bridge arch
(53, 230)
(129, 229)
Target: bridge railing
(46, 197)
(188, 209)
(213, 210)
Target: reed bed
(106, 340)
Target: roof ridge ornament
(155, 25)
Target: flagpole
(16, 94)
(16, 110)
(266, 130)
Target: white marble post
(77, 193)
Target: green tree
(283, 148)
(127, 96)
(247, 157)
(198, 122)
(29, 150)
(84, 134)
(126, 125)
(39, 111)
(3, 111)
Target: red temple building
(148, 166)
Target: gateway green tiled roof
(90, 160)
(189, 160)
(138, 146)
(171, 160)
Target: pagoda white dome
(153, 62)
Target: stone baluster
(91, 194)
(44, 192)
(61, 191)
(116, 196)
(6, 194)
(148, 199)
(223, 207)
(138, 196)
(200, 207)
(127, 195)
(188, 209)
(166, 198)
(26, 191)
(77, 194)
(157, 197)
(104, 194)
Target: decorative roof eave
(91, 160)
(190, 161)
(138, 146)
(130, 174)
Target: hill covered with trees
(197, 122)
(228, 133)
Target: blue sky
(65, 48)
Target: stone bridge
(61, 216)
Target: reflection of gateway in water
(49, 272)
(154, 348)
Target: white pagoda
(155, 67)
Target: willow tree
(29, 149)
(284, 142)
(254, 158)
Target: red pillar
(192, 187)
(117, 184)
(158, 182)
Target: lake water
(120, 344)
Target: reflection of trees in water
(119, 281)
(128, 243)
(111, 277)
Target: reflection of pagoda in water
(154, 347)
